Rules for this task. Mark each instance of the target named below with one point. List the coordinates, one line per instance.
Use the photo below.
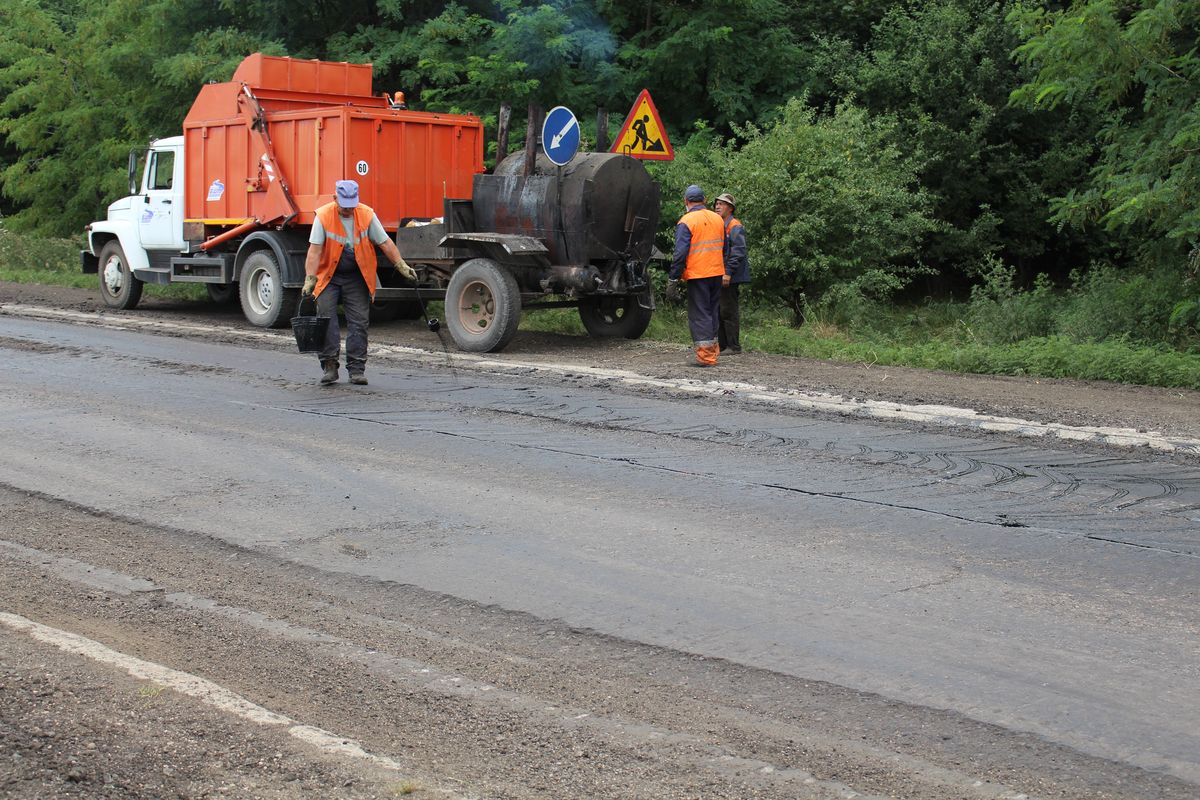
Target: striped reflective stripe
(345, 240)
(707, 244)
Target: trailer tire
(265, 301)
(222, 293)
(118, 285)
(614, 316)
(483, 306)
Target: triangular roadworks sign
(643, 134)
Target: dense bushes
(1100, 305)
(30, 254)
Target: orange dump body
(322, 125)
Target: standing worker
(737, 272)
(340, 268)
(699, 260)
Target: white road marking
(948, 416)
(194, 686)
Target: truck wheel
(483, 306)
(118, 286)
(383, 311)
(614, 316)
(390, 310)
(264, 300)
(222, 293)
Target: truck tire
(118, 286)
(222, 293)
(265, 302)
(483, 306)
(614, 316)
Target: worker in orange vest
(340, 268)
(700, 261)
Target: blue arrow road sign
(560, 135)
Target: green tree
(83, 81)
(1137, 62)
(831, 205)
(944, 70)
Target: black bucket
(310, 330)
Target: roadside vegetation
(999, 186)
(970, 336)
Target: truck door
(160, 220)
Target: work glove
(673, 294)
(310, 283)
(404, 269)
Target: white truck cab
(142, 232)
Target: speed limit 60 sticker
(362, 168)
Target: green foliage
(1102, 305)
(1106, 304)
(28, 258)
(828, 201)
(943, 70)
(922, 144)
(24, 258)
(713, 61)
(1000, 313)
(1138, 64)
(83, 81)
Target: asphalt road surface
(220, 579)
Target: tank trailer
(231, 202)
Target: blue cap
(346, 193)
(694, 194)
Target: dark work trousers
(729, 332)
(704, 308)
(348, 288)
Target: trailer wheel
(118, 286)
(483, 306)
(222, 293)
(265, 302)
(614, 316)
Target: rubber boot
(706, 354)
(331, 372)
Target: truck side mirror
(135, 155)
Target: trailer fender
(101, 233)
(289, 247)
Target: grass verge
(55, 262)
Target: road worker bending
(340, 268)
(699, 260)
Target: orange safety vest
(706, 256)
(336, 241)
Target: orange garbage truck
(231, 202)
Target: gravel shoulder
(1171, 412)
